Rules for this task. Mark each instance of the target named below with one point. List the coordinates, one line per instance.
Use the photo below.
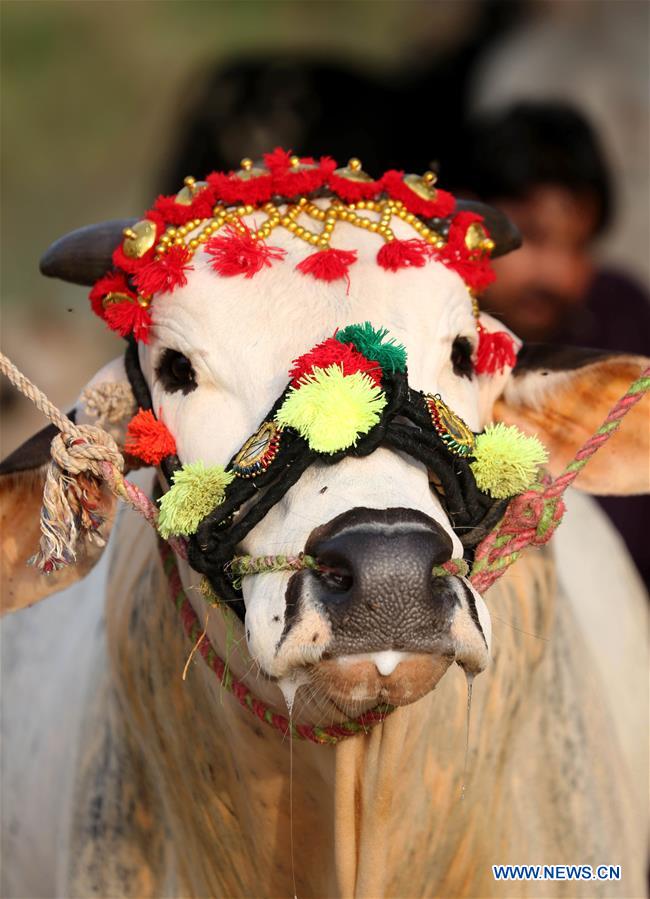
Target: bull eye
(175, 372)
(461, 357)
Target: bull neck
(374, 815)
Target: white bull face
(240, 336)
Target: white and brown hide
(164, 787)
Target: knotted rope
(83, 456)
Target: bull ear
(563, 394)
(22, 478)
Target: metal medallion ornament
(139, 239)
(258, 452)
(188, 192)
(450, 427)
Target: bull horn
(84, 255)
(503, 232)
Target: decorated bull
(348, 453)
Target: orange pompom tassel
(147, 438)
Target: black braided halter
(405, 426)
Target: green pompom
(371, 343)
(506, 460)
(197, 489)
(332, 410)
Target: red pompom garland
(231, 189)
(113, 282)
(300, 181)
(397, 254)
(496, 351)
(333, 352)
(328, 265)
(175, 213)
(396, 188)
(279, 160)
(473, 266)
(353, 191)
(210, 214)
(147, 438)
(129, 318)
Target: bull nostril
(377, 559)
(336, 578)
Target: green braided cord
(452, 568)
(641, 385)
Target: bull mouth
(352, 682)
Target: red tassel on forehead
(236, 252)
(147, 438)
(397, 254)
(328, 265)
(164, 274)
(496, 351)
(129, 318)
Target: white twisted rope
(83, 456)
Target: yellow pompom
(197, 489)
(506, 460)
(332, 410)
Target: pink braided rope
(532, 517)
(139, 501)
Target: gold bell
(186, 194)
(353, 171)
(249, 170)
(138, 239)
(422, 185)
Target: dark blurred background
(106, 104)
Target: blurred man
(542, 164)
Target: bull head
(370, 623)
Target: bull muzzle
(387, 629)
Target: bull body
(125, 780)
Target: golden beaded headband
(156, 252)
